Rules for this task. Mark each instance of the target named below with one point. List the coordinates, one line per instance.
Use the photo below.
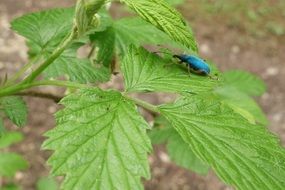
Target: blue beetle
(195, 64)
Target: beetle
(195, 64)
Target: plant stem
(23, 70)
(37, 94)
(57, 52)
(143, 104)
(91, 52)
(19, 87)
(59, 83)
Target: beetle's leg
(188, 67)
(213, 78)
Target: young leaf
(85, 14)
(244, 155)
(144, 71)
(10, 163)
(10, 138)
(15, 109)
(100, 142)
(46, 28)
(105, 41)
(164, 17)
(245, 82)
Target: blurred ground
(242, 34)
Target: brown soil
(230, 48)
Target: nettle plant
(101, 140)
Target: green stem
(56, 53)
(23, 70)
(91, 51)
(19, 87)
(143, 104)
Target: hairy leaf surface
(164, 17)
(144, 71)
(100, 142)
(244, 155)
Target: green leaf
(245, 82)
(10, 163)
(100, 142)
(45, 28)
(80, 70)
(105, 41)
(164, 17)
(244, 155)
(47, 183)
(10, 138)
(242, 104)
(138, 32)
(175, 2)
(44, 31)
(144, 71)
(160, 133)
(178, 150)
(15, 109)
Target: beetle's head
(182, 57)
